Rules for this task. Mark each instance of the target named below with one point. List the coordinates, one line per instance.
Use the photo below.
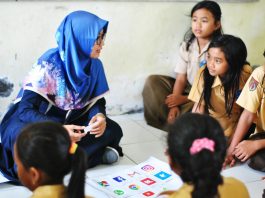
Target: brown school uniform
(218, 101)
(158, 87)
(252, 97)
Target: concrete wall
(143, 39)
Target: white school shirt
(189, 62)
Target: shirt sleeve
(197, 87)
(98, 107)
(182, 60)
(251, 95)
(29, 108)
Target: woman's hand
(74, 132)
(98, 123)
(245, 149)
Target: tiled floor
(139, 142)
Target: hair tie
(73, 148)
(199, 144)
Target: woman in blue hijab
(67, 85)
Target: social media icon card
(162, 175)
(119, 179)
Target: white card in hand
(87, 128)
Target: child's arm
(245, 121)
(177, 98)
(247, 148)
(173, 113)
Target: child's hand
(74, 132)
(245, 149)
(229, 160)
(173, 100)
(173, 114)
(98, 123)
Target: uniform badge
(253, 84)
(202, 63)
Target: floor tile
(118, 118)
(142, 151)
(135, 116)
(124, 161)
(156, 132)
(243, 173)
(12, 191)
(135, 133)
(256, 189)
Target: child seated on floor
(44, 154)
(219, 83)
(196, 152)
(252, 100)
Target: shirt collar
(196, 46)
(217, 82)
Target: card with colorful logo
(119, 179)
(162, 175)
(146, 179)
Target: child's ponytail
(206, 177)
(76, 186)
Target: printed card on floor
(146, 179)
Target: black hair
(202, 170)
(212, 7)
(235, 52)
(45, 146)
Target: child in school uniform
(165, 97)
(44, 154)
(252, 100)
(196, 151)
(220, 82)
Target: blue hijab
(66, 76)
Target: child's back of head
(197, 147)
(46, 148)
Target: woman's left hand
(98, 123)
